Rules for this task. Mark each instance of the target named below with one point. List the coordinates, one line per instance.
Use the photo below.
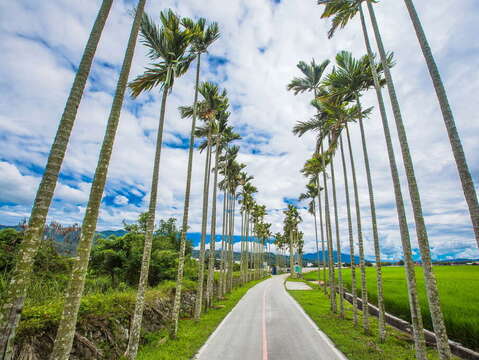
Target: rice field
(458, 290)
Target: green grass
(350, 340)
(458, 290)
(191, 335)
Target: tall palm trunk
(228, 246)
(364, 290)
(317, 241)
(377, 250)
(416, 317)
(223, 244)
(186, 209)
(456, 145)
(329, 235)
(291, 254)
(211, 269)
(338, 242)
(351, 238)
(135, 327)
(421, 231)
(66, 330)
(322, 237)
(231, 239)
(242, 258)
(204, 224)
(247, 247)
(20, 279)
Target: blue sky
(41, 43)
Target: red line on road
(265, 339)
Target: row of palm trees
(337, 102)
(291, 238)
(172, 47)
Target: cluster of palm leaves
(337, 103)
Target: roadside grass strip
(191, 335)
(458, 290)
(350, 340)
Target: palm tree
(291, 222)
(223, 135)
(312, 77)
(226, 163)
(342, 14)
(167, 48)
(331, 118)
(431, 285)
(311, 82)
(230, 169)
(351, 237)
(213, 103)
(456, 145)
(320, 207)
(233, 183)
(246, 194)
(338, 240)
(313, 167)
(20, 279)
(203, 38)
(66, 329)
(312, 193)
(421, 231)
(348, 79)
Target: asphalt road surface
(268, 324)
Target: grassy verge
(350, 340)
(458, 289)
(191, 335)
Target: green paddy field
(458, 290)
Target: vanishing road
(268, 324)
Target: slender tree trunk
(338, 243)
(377, 250)
(186, 209)
(232, 233)
(351, 238)
(20, 279)
(454, 138)
(204, 224)
(317, 242)
(66, 330)
(135, 327)
(229, 277)
(421, 231)
(242, 247)
(329, 235)
(228, 246)
(223, 244)
(291, 254)
(322, 237)
(247, 247)
(362, 265)
(416, 317)
(211, 270)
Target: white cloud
(121, 200)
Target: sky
(41, 43)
